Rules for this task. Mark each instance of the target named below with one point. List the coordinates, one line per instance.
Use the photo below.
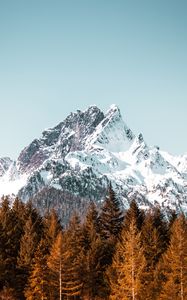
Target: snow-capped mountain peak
(86, 151)
(111, 133)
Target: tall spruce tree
(126, 271)
(28, 244)
(91, 264)
(19, 210)
(72, 280)
(38, 282)
(64, 268)
(2, 257)
(134, 213)
(155, 240)
(11, 232)
(52, 227)
(111, 216)
(174, 263)
(54, 263)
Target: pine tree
(111, 216)
(155, 239)
(54, 263)
(64, 262)
(108, 225)
(11, 232)
(28, 244)
(19, 210)
(37, 221)
(52, 227)
(38, 282)
(2, 257)
(72, 280)
(134, 213)
(125, 274)
(91, 264)
(174, 263)
(89, 227)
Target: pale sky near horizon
(59, 56)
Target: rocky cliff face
(81, 155)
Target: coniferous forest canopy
(108, 254)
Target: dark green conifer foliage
(37, 221)
(134, 213)
(111, 216)
(109, 228)
(18, 209)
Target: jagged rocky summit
(75, 161)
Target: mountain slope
(82, 154)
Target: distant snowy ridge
(89, 149)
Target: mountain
(74, 162)
(5, 163)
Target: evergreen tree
(155, 240)
(92, 266)
(38, 282)
(54, 263)
(72, 280)
(101, 248)
(28, 244)
(174, 263)
(134, 213)
(37, 221)
(2, 257)
(111, 216)
(65, 260)
(19, 210)
(125, 274)
(52, 227)
(11, 233)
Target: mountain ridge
(89, 149)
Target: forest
(107, 254)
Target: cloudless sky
(58, 56)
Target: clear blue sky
(59, 56)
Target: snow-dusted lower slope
(89, 149)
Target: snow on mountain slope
(112, 133)
(89, 149)
(5, 163)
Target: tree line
(107, 254)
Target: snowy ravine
(89, 149)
